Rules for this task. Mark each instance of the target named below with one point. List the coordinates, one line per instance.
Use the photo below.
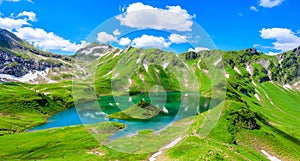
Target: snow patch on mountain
(31, 77)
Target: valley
(250, 99)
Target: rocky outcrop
(9, 40)
(196, 55)
(288, 68)
(18, 66)
(93, 51)
(18, 58)
(251, 51)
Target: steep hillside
(26, 105)
(137, 70)
(261, 110)
(20, 61)
(22, 107)
(134, 70)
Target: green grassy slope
(23, 106)
(67, 143)
(233, 139)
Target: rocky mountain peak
(297, 51)
(94, 51)
(20, 60)
(9, 40)
(251, 51)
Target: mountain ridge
(19, 58)
(20, 61)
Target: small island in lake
(143, 110)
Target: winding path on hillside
(172, 144)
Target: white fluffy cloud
(17, 1)
(124, 41)
(285, 38)
(146, 41)
(253, 8)
(104, 37)
(38, 37)
(16, 22)
(117, 32)
(272, 53)
(197, 49)
(11, 23)
(177, 39)
(47, 40)
(14, 1)
(142, 16)
(149, 41)
(270, 3)
(31, 15)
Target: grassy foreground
(231, 139)
(67, 143)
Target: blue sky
(272, 26)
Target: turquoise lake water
(175, 106)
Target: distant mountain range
(20, 61)
(147, 66)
